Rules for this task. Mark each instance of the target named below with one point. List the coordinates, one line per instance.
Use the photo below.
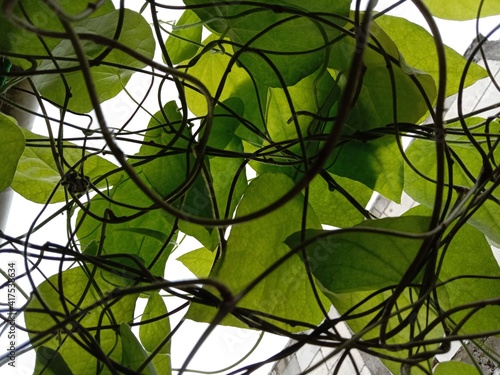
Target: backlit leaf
(80, 291)
(254, 246)
(376, 164)
(37, 174)
(185, 39)
(108, 80)
(138, 236)
(422, 154)
(361, 261)
(133, 354)
(406, 35)
(462, 9)
(11, 149)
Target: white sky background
(226, 345)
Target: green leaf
(135, 33)
(133, 354)
(462, 9)
(14, 38)
(362, 261)
(455, 368)
(199, 261)
(11, 149)
(294, 44)
(422, 154)
(391, 90)
(256, 245)
(376, 164)
(81, 291)
(50, 362)
(362, 320)
(37, 175)
(459, 262)
(210, 68)
(166, 143)
(159, 236)
(185, 39)
(153, 333)
(332, 206)
(223, 172)
(314, 94)
(225, 123)
(140, 236)
(407, 35)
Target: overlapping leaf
(185, 39)
(14, 38)
(462, 9)
(37, 175)
(256, 245)
(139, 237)
(81, 289)
(276, 34)
(135, 33)
(466, 168)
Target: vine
(262, 130)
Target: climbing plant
(286, 117)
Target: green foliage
(462, 9)
(184, 41)
(283, 122)
(255, 246)
(335, 257)
(15, 38)
(11, 148)
(465, 163)
(108, 76)
(38, 175)
(457, 368)
(75, 318)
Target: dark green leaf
(50, 362)
(11, 149)
(360, 261)
(376, 164)
(185, 39)
(16, 39)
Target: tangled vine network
(262, 129)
